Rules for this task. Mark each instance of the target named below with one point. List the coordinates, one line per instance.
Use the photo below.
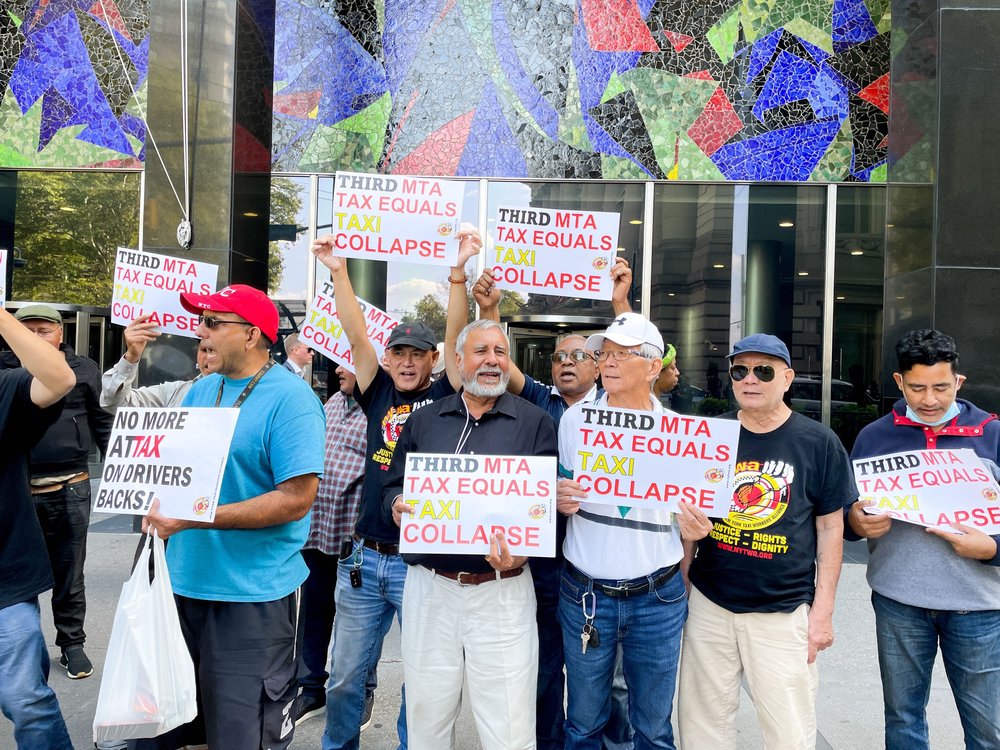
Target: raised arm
(470, 243)
(52, 377)
(488, 298)
(622, 275)
(349, 311)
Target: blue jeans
(364, 615)
(648, 627)
(908, 639)
(25, 696)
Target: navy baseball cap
(762, 343)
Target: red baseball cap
(250, 304)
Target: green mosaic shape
(761, 17)
(620, 168)
(881, 13)
(325, 150)
(836, 162)
(880, 174)
(572, 130)
(370, 122)
(14, 18)
(724, 34)
(693, 164)
(614, 88)
(822, 38)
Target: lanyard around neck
(250, 386)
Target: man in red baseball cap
(236, 580)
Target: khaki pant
(770, 649)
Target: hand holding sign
(487, 295)
(621, 277)
(165, 527)
(868, 525)
(694, 524)
(322, 248)
(500, 557)
(967, 542)
(469, 244)
(569, 493)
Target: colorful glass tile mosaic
(762, 90)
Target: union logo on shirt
(392, 424)
(761, 494)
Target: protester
(298, 355)
(60, 485)
(764, 616)
(334, 514)
(620, 578)
(574, 378)
(933, 586)
(370, 578)
(469, 620)
(117, 383)
(29, 404)
(236, 580)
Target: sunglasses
(577, 355)
(213, 323)
(763, 373)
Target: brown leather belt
(383, 548)
(474, 579)
(83, 476)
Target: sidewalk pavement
(849, 706)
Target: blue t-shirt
(279, 435)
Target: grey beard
(472, 386)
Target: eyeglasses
(763, 373)
(577, 355)
(213, 323)
(619, 355)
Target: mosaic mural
(615, 89)
(70, 71)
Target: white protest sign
(403, 219)
(555, 252)
(3, 276)
(176, 455)
(323, 332)
(459, 502)
(647, 459)
(931, 488)
(152, 283)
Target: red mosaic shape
(717, 123)
(109, 13)
(678, 40)
(298, 104)
(877, 92)
(441, 152)
(617, 26)
(700, 75)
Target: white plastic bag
(148, 685)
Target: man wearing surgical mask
(933, 587)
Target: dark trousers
(550, 716)
(318, 610)
(64, 516)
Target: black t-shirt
(387, 410)
(762, 558)
(24, 563)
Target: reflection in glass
(857, 311)
(690, 289)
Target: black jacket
(65, 446)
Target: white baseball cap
(629, 329)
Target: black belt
(383, 548)
(623, 589)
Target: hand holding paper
(165, 527)
(569, 493)
(138, 333)
(967, 542)
(322, 248)
(694, 524)
(500, 557)
(868, 524)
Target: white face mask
(952, 412)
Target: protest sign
(554, 252)
(323, 332)
(403, 219)
(152, 283)
(931, 488)
(459, 502)
(175, 455)
(647, 459)
(3, 276)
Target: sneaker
(76, 663)
(307, 706)
(369, 712)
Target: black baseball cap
(412, 334)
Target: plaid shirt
(336, 507)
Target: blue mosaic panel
(69, 75)
(621, 89)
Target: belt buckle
(459, 576)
